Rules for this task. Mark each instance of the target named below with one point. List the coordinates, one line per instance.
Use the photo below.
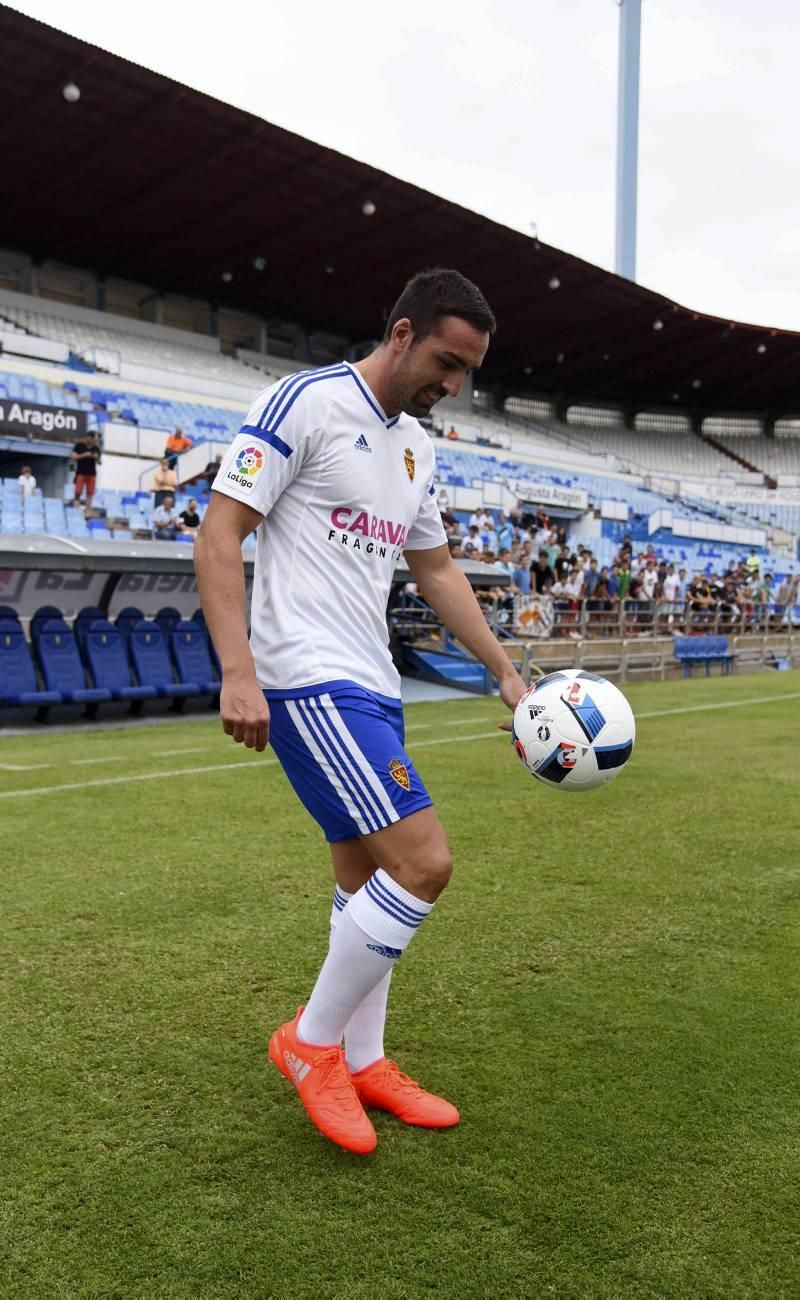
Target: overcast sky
(508, 107)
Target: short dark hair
(429, 295)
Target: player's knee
(427, 877)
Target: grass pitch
(608, 990)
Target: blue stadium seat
(104, 648)
(84, 620)
(148, 649)
(192, 658)
(18, 684)
(44, 614)
(168, 619)
(62, 668)
(6, 612)
(199, 617)
(127, 619)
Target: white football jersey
(344, 491)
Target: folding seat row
(96, 661)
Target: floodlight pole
(630, 25)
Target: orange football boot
(384, 1086)
(323, 1081)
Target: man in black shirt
(562, 564)
(86, 458)
(190, 518)
(541, 575)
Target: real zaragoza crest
(408, 457)
(398, 769)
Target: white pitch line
(86, 762)
(461, 722)
(171, 753)
(23, 767)
(721, 704)
(236, 765)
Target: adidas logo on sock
(381, 948)
(298, 1069)
(361, 444)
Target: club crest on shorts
(408, 458)
(399, 773)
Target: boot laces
(333, 1076)
(398, 1079)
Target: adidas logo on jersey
(361, 444)
(298, 1069)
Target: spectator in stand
(649, 577)
(505, 595)
(753, 565)
(701, 602)
(601, 606)
(27, 483)
(489, 538)
(471, 545)
(175, 444)
(443, 500)
(591, 578)
(211, 470)
(562, 566)
(682, 586)
(190, 518)
(624, 576)
(542, 575)
(670, 587)
(505, 533)
(764, 597)
(165, 482)
(85, 458)
(612, 582)
(166, 524)
(452, 434)
(785, 598)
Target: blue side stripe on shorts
(312, 719)
(389, 897)
(353, 770)
(390, 911)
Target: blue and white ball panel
(342, 749)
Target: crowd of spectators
(636, 591)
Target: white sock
(363, 1035)
(373, 930)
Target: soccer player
(337, 477)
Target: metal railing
(593, 618)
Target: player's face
(434, 367)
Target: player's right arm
(220, 580)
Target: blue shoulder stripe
(271, 439)
(285, 388)
(315, 378)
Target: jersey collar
(371, 399)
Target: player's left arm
(447, 590)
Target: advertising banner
(25, 418)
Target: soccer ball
(573, 730)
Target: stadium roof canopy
(148, 180)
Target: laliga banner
(549, 494)
(30, 417)
(533, 615)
